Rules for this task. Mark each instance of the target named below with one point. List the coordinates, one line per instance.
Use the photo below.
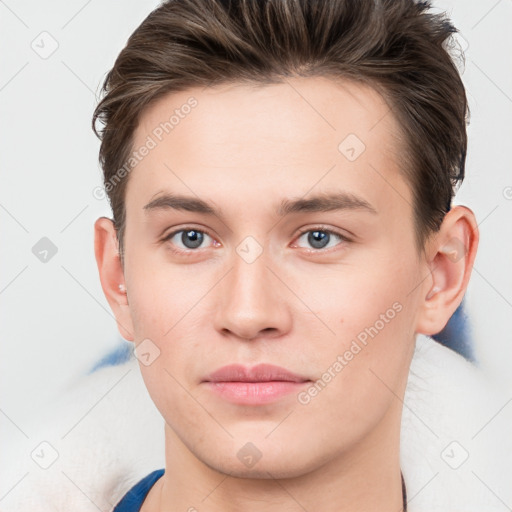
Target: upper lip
(258, 373)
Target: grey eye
(319, 239)
(189, 238)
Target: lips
(259, 385)
(258, 373)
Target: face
(304, 258)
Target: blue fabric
(133, 499)
(119, 355)
(457, 335)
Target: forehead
(303, 134)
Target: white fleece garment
(106, 434)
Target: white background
(55, 320)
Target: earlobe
(451, 256)
(112, 275)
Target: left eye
(320, 238)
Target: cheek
(352, 298)
(167, 305)
(367, 318)
(163, 296)
(361, 368)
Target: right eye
(190, 238)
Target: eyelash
(343, 238)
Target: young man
(281, 176)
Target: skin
(244, 149)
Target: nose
(252, 300)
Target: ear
(449, 257)
(106, 250)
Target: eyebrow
(320, 203)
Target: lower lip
(255, 393)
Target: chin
(265, 462)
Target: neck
(365, 477)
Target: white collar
(449, 411)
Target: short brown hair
(395, 46)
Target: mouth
(258, 385)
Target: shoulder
(455, 450)
(132, 501)
(95, 443)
